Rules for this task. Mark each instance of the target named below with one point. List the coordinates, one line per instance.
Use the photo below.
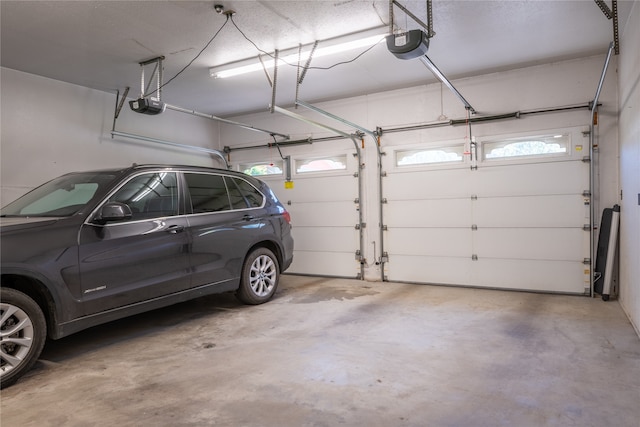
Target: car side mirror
(113, 211)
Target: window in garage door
(515, 222)
(262, 168)
(323, 212)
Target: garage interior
(446, 204)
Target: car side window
(150, 195)
(235, 195)
(208, 192)
(250, 194)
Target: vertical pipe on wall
(592, 213)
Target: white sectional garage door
(324, 217)
(515, 222)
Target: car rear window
(215, 193)
(208, 193)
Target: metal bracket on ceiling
(120, 104)
(156, 72)
(308, 63)
(611, 14)
(272, 82)
(302, 71)
(428, 27)
(266, 72)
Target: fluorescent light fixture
(244, 67)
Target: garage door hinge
(586, 193)
(359, 255)
(474, 197)
(362, 225)
(355, 175)
(474, 257)
(586, 227)
(586, 261)
(474, 227)
(356, 200)
(384, 201)
(384, 227)
(586, 159)
(385, 257)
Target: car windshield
(63, 196)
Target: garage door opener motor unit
(147, 104)
(410, 45)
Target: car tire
(23, 331)
(260, 276)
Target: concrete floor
(328, 352)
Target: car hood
(19, 223)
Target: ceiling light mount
(220, 10)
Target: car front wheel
(260, 276)
(22, 335)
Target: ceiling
(99, 44)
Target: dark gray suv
(91, 247)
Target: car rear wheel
(22, 335)
(260, 276)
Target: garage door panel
(532, 275)
(425, 269)
(428, 184)
(325, 214)
(534, 243)
(314, 189)
(339, 264)
(531, 178)
(325, 239)
(527, 211)
(429, 213)
(448, 242)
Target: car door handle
(174, 229)
(247, 217)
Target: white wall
(629, 86)
(545, 86)
(50, 128)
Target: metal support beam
(426, 61)
(217, 153)
(311, 122)
(230, 122)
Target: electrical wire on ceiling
(296, 65)
(194, 58)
